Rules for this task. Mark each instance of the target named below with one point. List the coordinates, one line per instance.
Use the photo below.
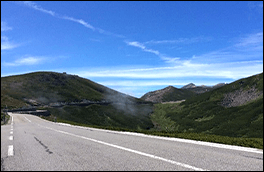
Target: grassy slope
(105, 116)
(202, 115)
(177, 94)
(47, 87)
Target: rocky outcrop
(240, 97)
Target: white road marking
(11, 132)
(130, 150)
(27, 119)
(10, 137)
(10, 150)
(217, 145)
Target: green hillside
(49, 87)
(211, 113)
(42, 89)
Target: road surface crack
(46, 147)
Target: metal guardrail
(31, 111)
(5, 117)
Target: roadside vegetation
(130, 117)
(4, 118)
(238, 141)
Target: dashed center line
(10, 150)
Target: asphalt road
(31, 143)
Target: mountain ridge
(170, 93)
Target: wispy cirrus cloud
(25, 61)
(80, 21)
(5, 27)
(245, 48)
(231, 62)
(185, 68)
(34, 6)
(6, 44)
(181, 40)
(143, 47)
(251, 41)
(166, 58)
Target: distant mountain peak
(191, 85)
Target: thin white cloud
(227, 63)
(143, 47)
(6, 44)
(251, 40)
(181, 40)
(36, 7)
(33, 5)
(5, 27)
(30, 60)
(245, 48)
(80, 21)
(163, 57)
(109, 33)
(170, 60)
(187, 68)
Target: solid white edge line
(131, 150)
(211, 144)
(10, 150)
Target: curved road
(31, 143)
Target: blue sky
(134, 47)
